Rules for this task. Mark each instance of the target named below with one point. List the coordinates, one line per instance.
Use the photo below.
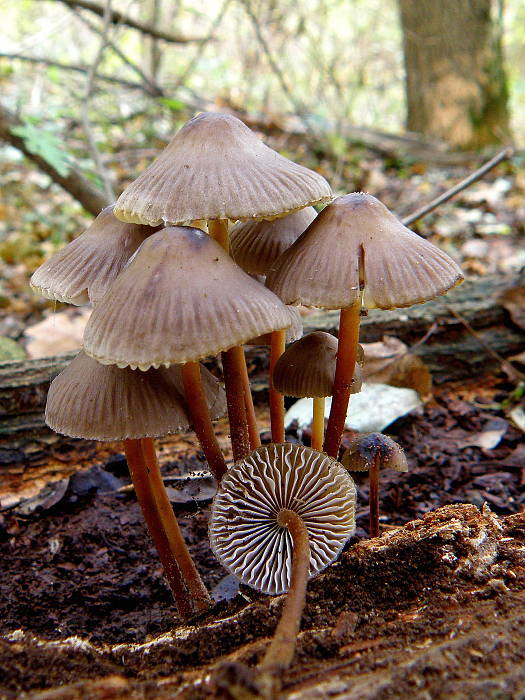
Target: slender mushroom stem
(318, 424)
(253, 430)
(280, 653)
(144, 491)
(373, 495)
(344, 371)
(200, 418)
(234, 363)
(188, 570)
(276, 399)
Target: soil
(432, 609)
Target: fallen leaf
(370, 411)
(195, 486)
(226, 589)
(390, 361)
(518, 416)
(10, 350)
(513, 300)
(59, 332)
(490, 436)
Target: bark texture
(455, 81)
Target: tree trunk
(455, 82)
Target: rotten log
(451, 352)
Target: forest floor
(432, 609)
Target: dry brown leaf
(59, 332)
(390, 361)
(513, 300)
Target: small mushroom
(307, 369)
(101, 402)
(370, 452)
(280, 517)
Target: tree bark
(455, 81)
(91, 198)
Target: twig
(108, 189)
(473, 177)
(73, 68)
(510, 369)
(118, 17)
(150, 87)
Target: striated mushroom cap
(244, 533)
(356, 245)
(256, 245)
(307, 367)
(181, 298)
(293, 332)
(216, 168)
(367, 447)
(84, 269)
(102, 402)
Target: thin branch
(118, 17)
(73, 68)
(108, 189)
(91, 198)
(150, 87)
(473, 177)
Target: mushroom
(357, 253)
(370, 452)
(307, 369)
(101, 402)
(216, 169)
(182, 298)
(83, 270)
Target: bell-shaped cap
(357, 246)
(367, 447)
(179, 299)
(307, 367)
(216, 168)
(293, 332)
(244, 533)
(83, 270)
(256, 245)
(102, 402)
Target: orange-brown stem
(344, 371)
(233, 361)
(318, 424)
(373, 497)
(280, 653)
(253, 430)
(141, 482)
(188, 570)
(276, 399)
(242, 420)
(200, 418)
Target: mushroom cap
(307, 367)
(102, 402)
(293, 332)
(83, 270)
(179, 299)
(244, 533)
(256, 245)
(366, 447)
(216, 168)
(356, 245)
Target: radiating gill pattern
(244, 533)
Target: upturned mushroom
(372, 452)
(356, 253)
(180, 299)
(101, 402)
(279, 518)
(83, 270)
(307, 369)
(216, 169)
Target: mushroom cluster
(171, 285)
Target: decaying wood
(451, 352)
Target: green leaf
(44, 143)
(174, 105)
